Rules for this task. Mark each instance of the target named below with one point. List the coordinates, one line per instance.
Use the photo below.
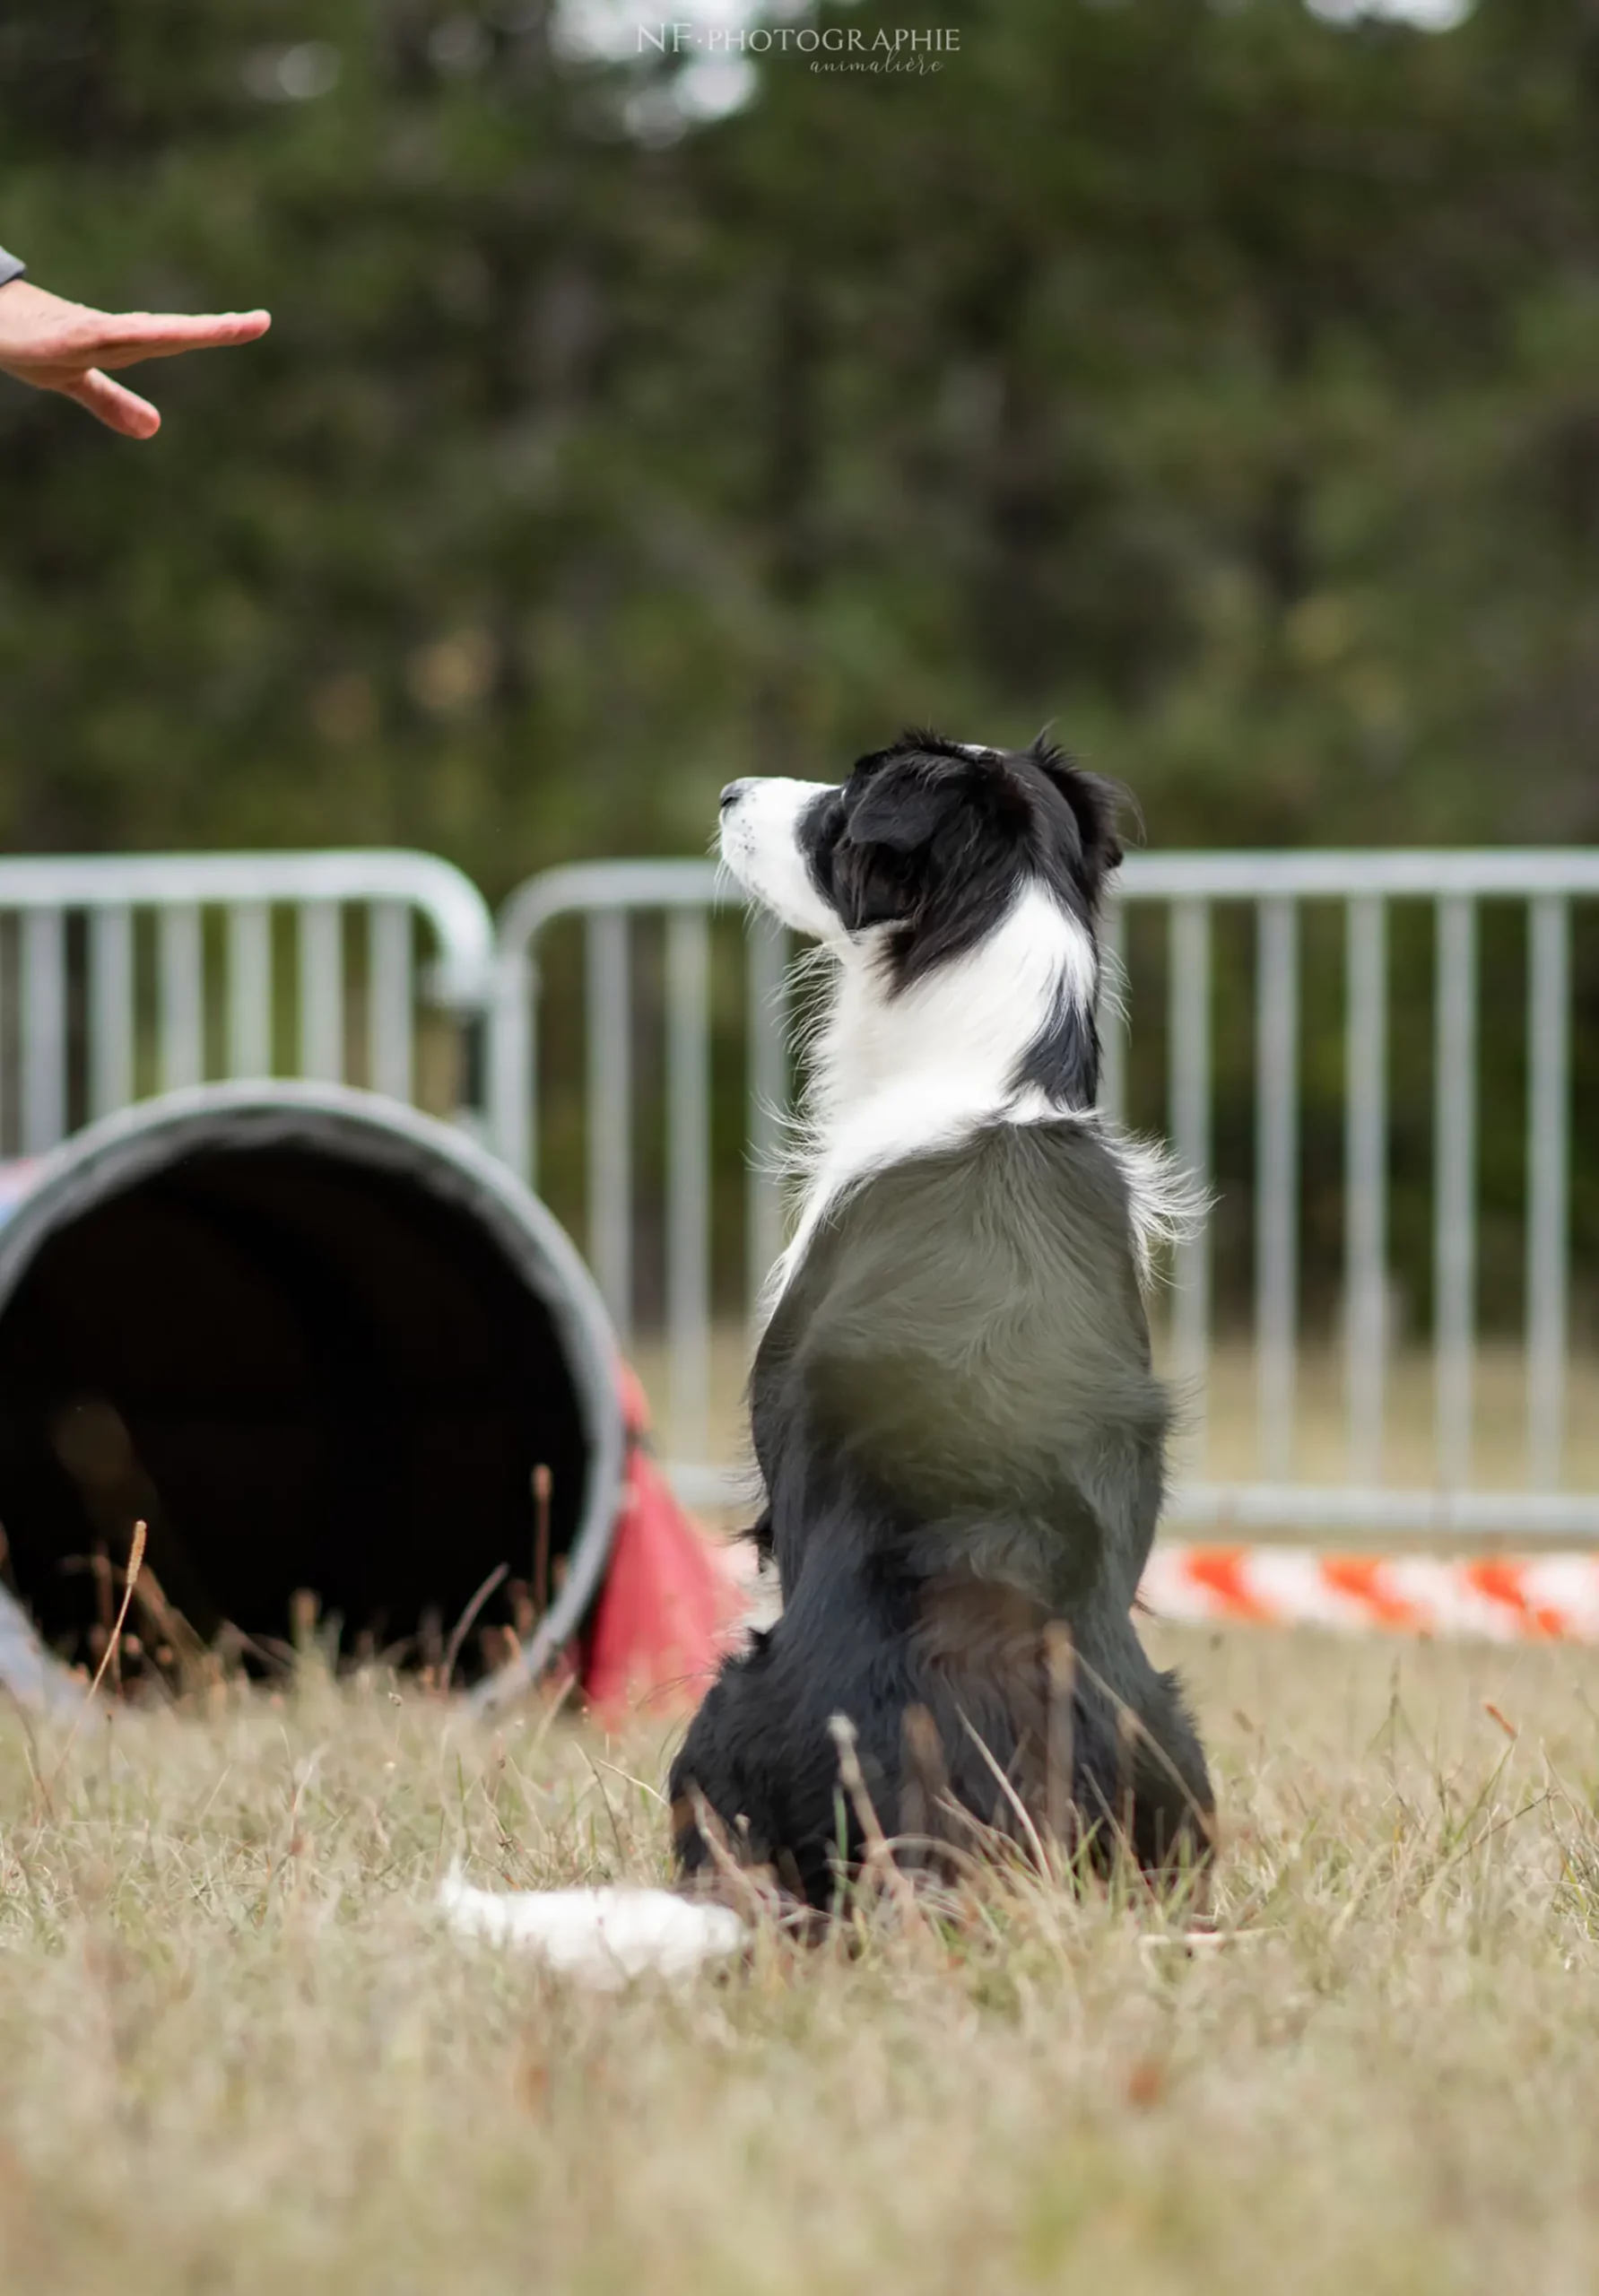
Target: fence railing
(607, 897)
(143, 972)
(611, 900)
(123, 976)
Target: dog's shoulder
(1008, 1217)
(970, 1317)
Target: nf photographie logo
(833, 49)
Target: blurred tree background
(1216, 380)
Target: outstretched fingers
(122, 340)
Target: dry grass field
(238, 2052)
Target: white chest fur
(901, 1075)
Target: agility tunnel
(343, 1366)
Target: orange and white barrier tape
(1543, 1598)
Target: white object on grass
(601, 1937)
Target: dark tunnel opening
(315, 1362)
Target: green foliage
(1216, 381)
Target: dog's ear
(903, 806)
(871, 885)
(876, 879)
(1096, 805)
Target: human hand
(61, 346)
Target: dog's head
(926, 848)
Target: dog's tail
(601, 1938)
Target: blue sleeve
(11, 266)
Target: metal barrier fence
(105, 1007)
(606, 896)
(124, 975)
(610, 899)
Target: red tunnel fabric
(672, 1601)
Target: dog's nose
(731, 795)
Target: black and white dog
(954, 1415)
(957, 1425)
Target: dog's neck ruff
(905, 1074)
